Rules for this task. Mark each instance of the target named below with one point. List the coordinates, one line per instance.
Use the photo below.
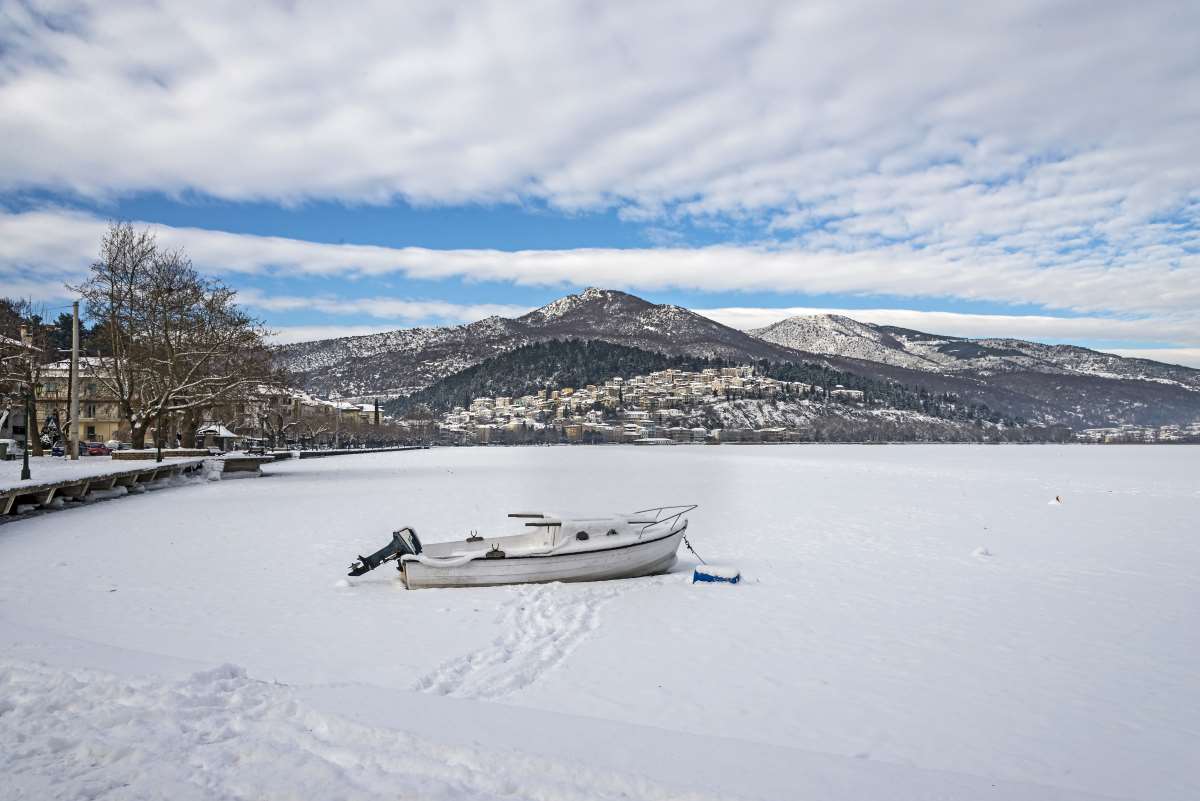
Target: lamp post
(27, 341)
(25, 476)
(73, 434)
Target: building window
(89, 410)
(91, 432)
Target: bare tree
(113, 297)
(173, 342)
(311, 430)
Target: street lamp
(25, 475)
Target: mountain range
(1046, 384)
(401, 362)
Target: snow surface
(718, 571)
(913, 622)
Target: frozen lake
(916, 621)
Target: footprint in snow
(540, 625)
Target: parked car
(60, 448)
(97, 449)
(12, 449)
(118, 445)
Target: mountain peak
(605, 301)
(815, 326)
(624, 319)
(594, 292)
(834, 335)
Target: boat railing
(646, 518)
(657, 515)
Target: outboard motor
(404, 541)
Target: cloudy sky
(1015, 169)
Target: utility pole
(27, 341)
(73, 432)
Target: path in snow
(541, 625)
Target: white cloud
(61, 243)
(383, 308)
(310, 333)
(1017, 152)
(42, 250)
(1020, 133)
(1188, 357)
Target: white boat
(552, 548)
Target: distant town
(652, 409)
(1144, 434)
(643, 409)
(649, 409)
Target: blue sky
(1016, 171)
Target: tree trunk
(191, 421)
(137, 436)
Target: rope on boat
(693, 550)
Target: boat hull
(643, 558)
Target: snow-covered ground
(915, 622)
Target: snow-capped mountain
(1047, 383)
(401, 362)
(1042, 383)
(624, 319)
(396, 362)
(835, 335)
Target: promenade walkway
(56, 481)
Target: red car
(97, 449)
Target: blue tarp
(716, 574)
